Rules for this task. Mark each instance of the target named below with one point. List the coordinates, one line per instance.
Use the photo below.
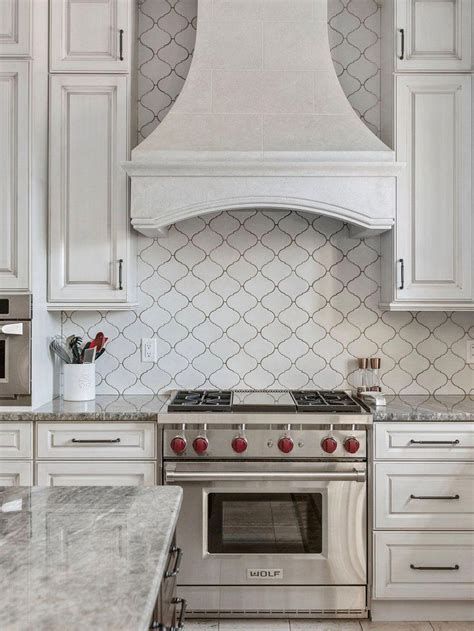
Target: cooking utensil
(89, 355)
(58, 347)
(74, 343)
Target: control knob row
(201, 444)
(329, 445)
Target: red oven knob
(178, 444)
(329, 444)
(285, 444)
(200, 444)
(239, 444)
(351, 445)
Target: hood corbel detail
(262, 122)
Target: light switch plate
(470, 351)
(149, 350)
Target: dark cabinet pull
(402, 274)
(182, 613)
(402, 43)
(177, 563)
(434, 497)
(121, 44)
(434, 442)
(434, 567)
(94, 441)
(120, 278)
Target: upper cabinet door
(90, 35)
(433, 35)
(15, 28)
(89, 226)
(14, 175)
(434, 212)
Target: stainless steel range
(274, 516)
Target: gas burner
(325, 401)
(201, 401)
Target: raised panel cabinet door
(90, 35)
(433, 35)
(16, 473)
(14, 174)
(15, 28)
(95, 473)
(434, 249)
(89, 232)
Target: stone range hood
(262, 122)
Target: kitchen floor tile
(254, 625)
(202, 625)
(453, 626)
(325, 625)
(396, 626)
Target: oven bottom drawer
(332, 601)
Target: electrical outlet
(149, 351)
(470, 351)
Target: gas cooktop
(336, 401)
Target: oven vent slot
(302, 613)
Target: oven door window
(268, 523)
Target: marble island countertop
(83, 557)
(426, 408)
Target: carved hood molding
(262, 122)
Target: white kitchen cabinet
(424, 495)
(428, 262)
(91, 260)
(15, 28)
(14, 174)
(95, 440)
(16, 473)
(433, 35)
(16, 440)
(95, 473)
(91, 35)
(424, 565)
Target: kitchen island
(83, 557)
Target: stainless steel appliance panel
(277, 523)
(15, 349)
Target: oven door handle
(267, 476)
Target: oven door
(268, 523)
(15, 351)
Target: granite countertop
(83, 557)
(426, 408)
(103, 408)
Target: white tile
(325, 625)
(395, 626)
(453, 626)
(254, 625)
(298, 45)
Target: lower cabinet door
(16, 473)
(424, 565)
(95, 474)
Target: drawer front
(16, 440)
(95, 474)
(424, 441)
(16, 473)
(424, 565)
(415, 495)
(96, 440)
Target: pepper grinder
(375, 369)
(363, 375)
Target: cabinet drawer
(424, 441)
(95, 440)
(417, 495)
(400, 555)
(16, 473)
(15, 440)
(95, 473)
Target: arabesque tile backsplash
(260, 299)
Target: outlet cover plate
(149, 350)
(470, 351)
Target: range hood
(262, 122)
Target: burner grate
(325, 401)
(201, 401)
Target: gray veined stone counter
(426, 408)
(83, 557)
